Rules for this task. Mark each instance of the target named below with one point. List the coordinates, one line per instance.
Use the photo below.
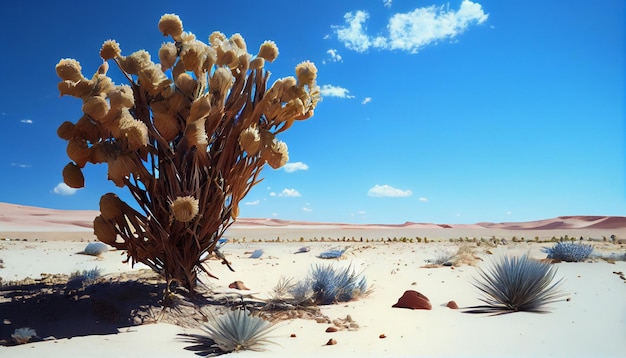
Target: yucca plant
(330, 285)
(235, 331)
(517, 284)
(187, 136)
(569, 251)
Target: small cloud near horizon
(295, 166)
(367, 100)
(334, 91)
(27, 121)
(255, 202)
(289, 193)
(63, 189)
(423, 199)
(21, 165)
(410, 31)
(388, 191)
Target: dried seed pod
(167, 125)
(152, 79)
(276, 155)
(268, 51)
(120, 168)
(199, 108)
(110, 49)
(66, 130)
(86, 129)
(78, 150)
(257, 63)
(133, 63)
(250, 141)
(186, 84)
(306, 73)
(96, 107)
(136, 133)
(193, 55)
(171, 25)
(104, 230)
(184, 208)
(196, 134)
(219, 84)
(101, 152)
(110, 206)
(121, 96)
(69, 69)
(167, 55)
(78, 89)
(73, 176)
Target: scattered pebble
(331, 329)
(293, 335)
(452, 305)
(382, 335)
(331, 342)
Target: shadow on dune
(51, 308)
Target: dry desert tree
(187, 136)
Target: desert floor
(121, 315)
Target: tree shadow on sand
(53, 309)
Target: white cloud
(354, 36)
(412, 30)
(387, 3)
(272, 194)
(21, 165)
(289, 193)
(255, 202)
(509, 212)
(367, 100)
(388, 191)
(335, 91)
(292, 167)
(334, 55)
(308, 210)
(63, 189)
(27, 121)
(423, 199)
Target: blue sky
(447, 112)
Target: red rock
(382, 336)
(331, 329)
(293, 335)
(331, 342)
(413, 300)
(238, 285)
(452, 305)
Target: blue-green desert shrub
(517, 284)
(236, 331)
(332, 285)
(569, 251)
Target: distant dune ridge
(29, 218)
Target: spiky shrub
(517, 284)
(569, 251)
(187, 137)
(238, 330)
(330, 285)
(86, 277)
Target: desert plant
(187, 137)
(517, 284)
(237, 330)
(569, 251)
(330, 285)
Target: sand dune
(27, 218)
